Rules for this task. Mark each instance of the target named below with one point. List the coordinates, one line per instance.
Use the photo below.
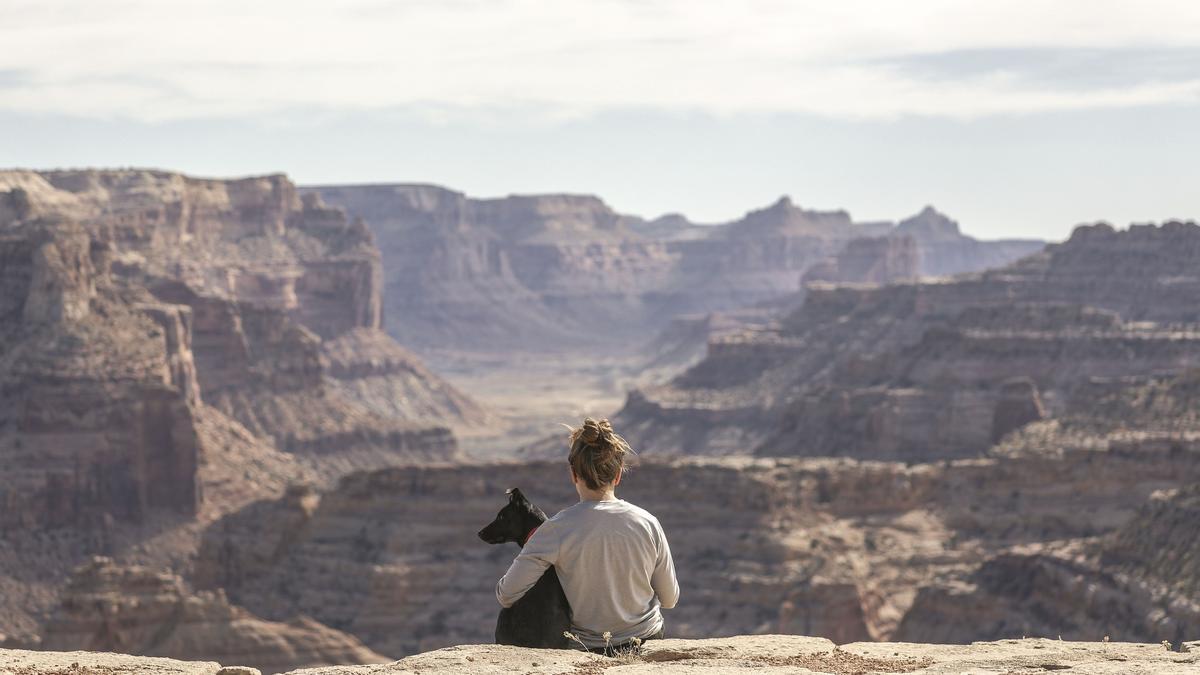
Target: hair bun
(597, 453)
(592, 431)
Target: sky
(1017, 118)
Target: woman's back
(615, 567)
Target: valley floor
(532, 396)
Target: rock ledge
(759, 654)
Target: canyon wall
(943, 250)
(108, 607)
(926, 370)
(283, 300)
(173, 347)
(97, 391)
(837, 548)
(568, 273)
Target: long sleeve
(540, 552)
(665, 585)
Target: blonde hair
(597, 454)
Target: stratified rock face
(495, 274)
(1018, 405)
(1160, 545)
(134, 610)
(283, 383)
(566, 272)
(1049, 591)
(172, 348)
(837, 548)
(944, 251)
(250, 239)
(267, 281)
(97, 390)
(1137, 581)
(920, 371)
(876, 260)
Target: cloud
(155, 60)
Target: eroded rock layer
(97, 389)
(281, 301)
(832, 547)
(133, 610)
(920, 371)
(172, 348)
(566, 272)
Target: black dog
(542, 615)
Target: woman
(611, 556)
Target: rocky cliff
(926, 370)
(98, 389)
(134, 610)
(875, 260)
(944, 251)
(172, 348)
(566, 272)
(838, 548)
(283, 298)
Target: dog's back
(543, 614)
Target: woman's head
(597, 454)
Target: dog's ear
(514, 495)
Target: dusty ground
(17, 662)
(758, 654)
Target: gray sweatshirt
(614, 564)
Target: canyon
(846, 549)
(551, 307)
(246, 421)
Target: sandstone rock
(567, 273)
(833, 547)
(944, 251)
(757, 654)
(255, 262)
(917, 371)
(876, 260)
(172, 349)
(107, 607)
(1018, 405)
(1160, 546)
(97, 392)
(19, 662)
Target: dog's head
(514, 522)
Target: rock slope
(133, 610)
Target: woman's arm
(663, 580)
(540, 552)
